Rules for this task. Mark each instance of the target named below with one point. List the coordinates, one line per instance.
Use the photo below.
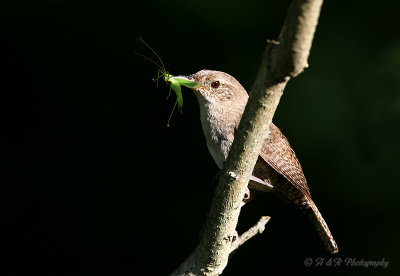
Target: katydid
(175, 82)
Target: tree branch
(281, 61)
(258, 228)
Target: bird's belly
(215, 150)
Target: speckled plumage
(220, 111)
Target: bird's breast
(219, 136)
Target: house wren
(222, 101)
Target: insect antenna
(154, 52)
(149, 59)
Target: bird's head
(216, 87)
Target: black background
(94, 183)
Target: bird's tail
(310, 209)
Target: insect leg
(172, 112)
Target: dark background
(94, 183)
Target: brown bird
(222, 101)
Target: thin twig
(257, 228)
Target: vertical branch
(281, 61)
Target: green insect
(175, 82)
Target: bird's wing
(278, 153)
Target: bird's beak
(187, 81)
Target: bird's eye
(215, 84)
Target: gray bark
(282, 60)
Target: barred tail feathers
(310, 209)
